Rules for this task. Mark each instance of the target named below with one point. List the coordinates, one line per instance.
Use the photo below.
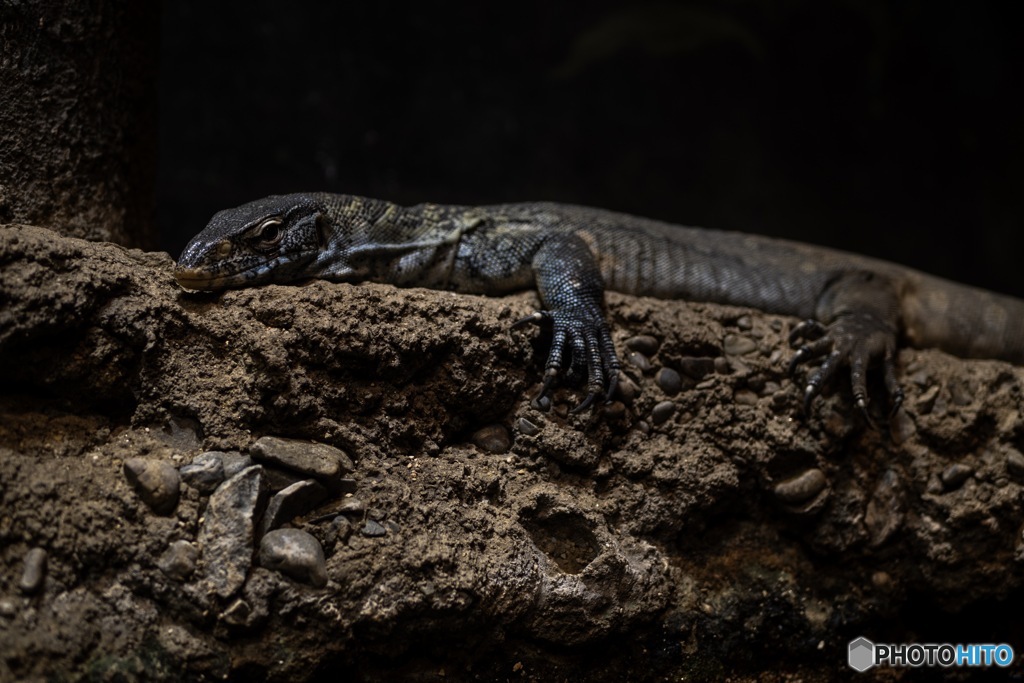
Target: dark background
(889, 128)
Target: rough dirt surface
(78, 117)
(693, 534)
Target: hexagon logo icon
(862, 654)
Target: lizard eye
(269, 231)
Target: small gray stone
(205, 472)
(738, 345)
(493, 439)
(639, 361)
(669, 381)
(643, 427)
(227, 532)
(324, 463)
(662, 412)
(626, 389)
(7, 608)
(744, 322)
(296, 554)
(34, 571)
(179, 560)
(527, 427)
(722, 365)
(643, 343)
(542, 403)
(373, 529)
(156, 482)
(290, 502)
(954, 476)
(347, 485)
(802, 487)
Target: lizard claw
(582, 345)
(854, 340)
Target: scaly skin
(856, 308)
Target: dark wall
(888, 128)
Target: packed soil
(701, 525)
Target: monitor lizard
(855, 308)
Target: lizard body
(856, 307)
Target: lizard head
(268, 240)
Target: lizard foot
(853, 339)
(587, 343)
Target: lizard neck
(378, 241)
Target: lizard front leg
(570, 286)
(861, 318)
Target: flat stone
(289, 503)
(324, 463)
(352, 506)
(179, 560)
(235, 463)
(296, 554)
(697, 368)
(228, 530)
(205, 473)
(493, 439)
(373, 529)
(34, 571)
(156, 482)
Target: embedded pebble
(1015, 462)
(373, 529)
(745, 397)
(156, 482)
(722, 365)
(954, 476)
(638, 361)
(205, 472)
(744, 322)
(294, 553)
(352, 506)
(179, 560)
(770, 388)
(669, 381)
(643, 343)
(226, 536)
(627, 390)
(319, 461)
(340, 530)
(662, 412)
(493, 439)
(737, 345)
(34, 571)
(542, 404)
(643, 427)
(7, 608)
(527, 427)
(802, 487)
(697, 368)
(290, 502)
(884, 513)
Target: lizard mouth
(196, 278)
